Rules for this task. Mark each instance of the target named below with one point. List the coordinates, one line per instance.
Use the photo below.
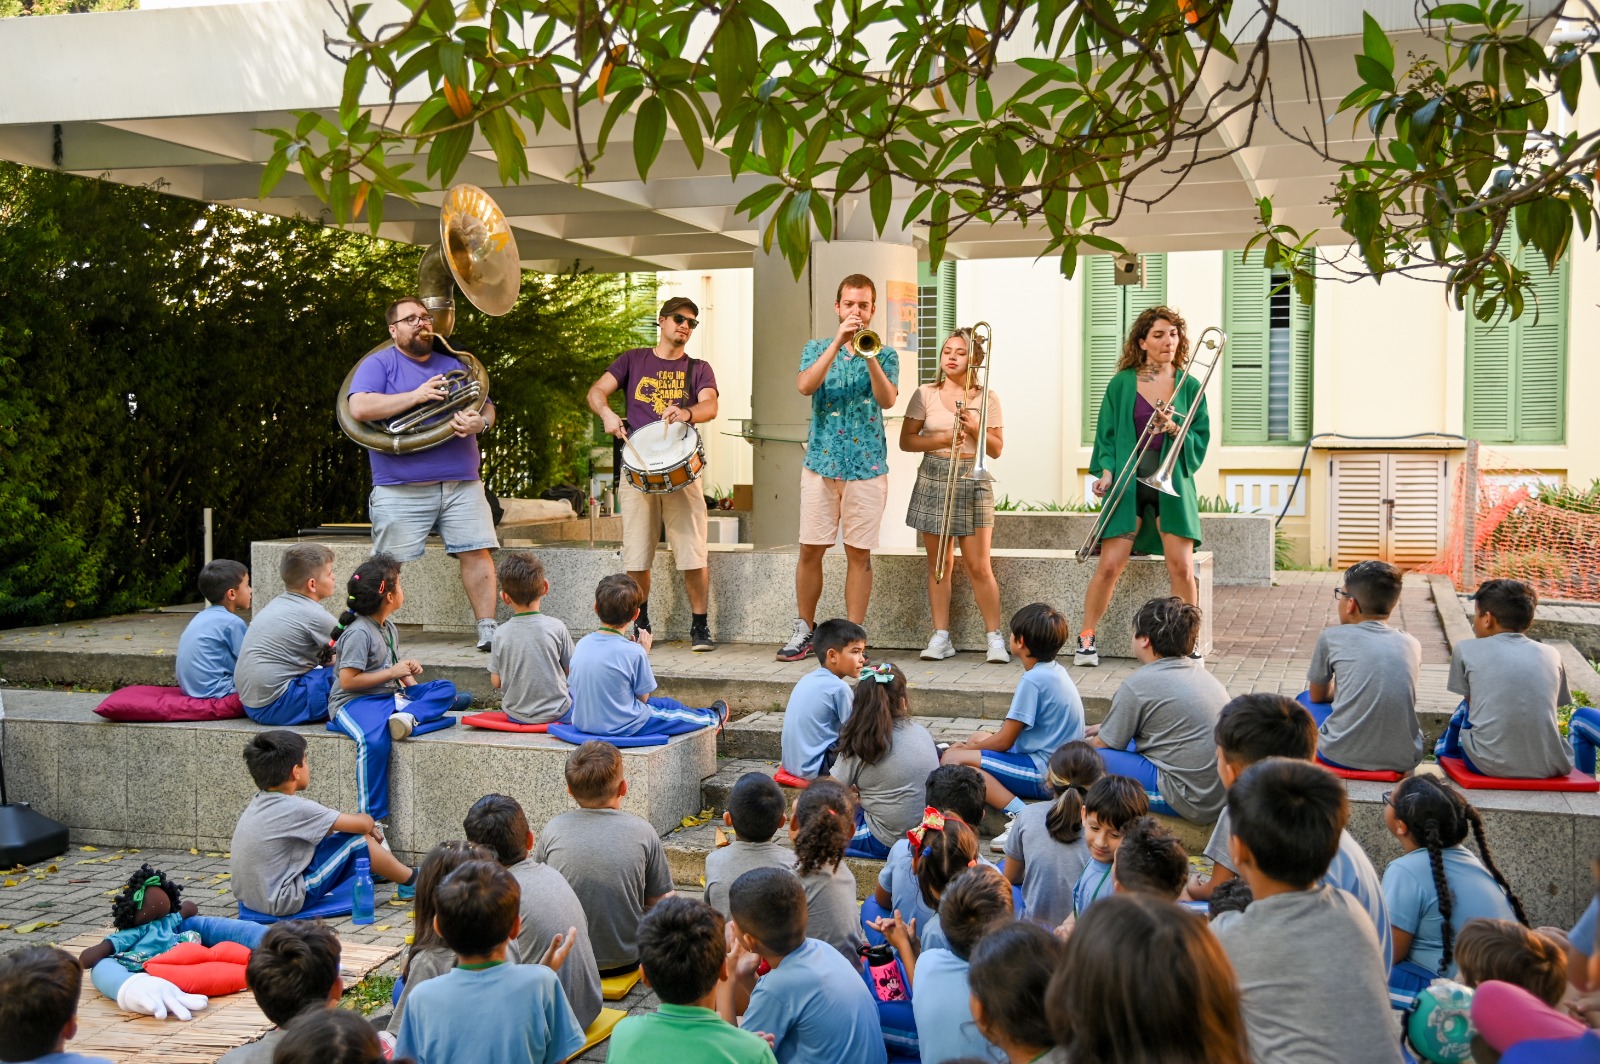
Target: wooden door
(1387, 505)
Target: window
(936, 316)
(1109, 311)
(1266, 369)
(1517, 370)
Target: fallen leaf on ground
(37, 925)
(89, 849)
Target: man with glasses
(662, 383)
(438, 489)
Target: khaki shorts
(683, 511)
(857, 505)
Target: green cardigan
(1114, 438)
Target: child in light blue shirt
(821, 701)
(39, 1005)
(611, 679)
(1109, 809)
(208, 650)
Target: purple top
(1143, 411)
(388, 372)
(650, 384)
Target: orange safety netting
(1527, 527)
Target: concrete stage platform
(752, 592)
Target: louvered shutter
(1416, 483)
(1491, 383)
(1245, 318)
(1103, 330)
(1541, 357)
(947, 298)
(1358, 511)
(1300, 371)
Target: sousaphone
(478, 252)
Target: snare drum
(675, 456)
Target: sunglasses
(693, 323)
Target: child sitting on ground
(1109, 809)
(1158, 730)
(1150, 860)
(683, 948)
(532, 652)
(1046, 851)
(428, 957)
(484, 1009)
(293, 970)
(1301, 941)
(1510, 688)
(820, 829)
(755, 813)
(611, 678)
(613, 860)
(208, 650)
(1010, 970)
(941, 848)
(813, 1002)
(884, 758)
(1363, 678)
(283, 675)
(551, 912)
(39, 988)
(287, 850)
(1253, 728)
(1431, 820)
(1045, 712)
(1507, 952)
(331, 1036)
(377, 699)
(975, 902)
(820, 702)
(956, 793)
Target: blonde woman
(931, 427)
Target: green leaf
(276, 167)
(1375, 43)
(688, 126)
(880, 195)
(1468, 14)
(649, 131)
(1374, 73)
(446, 153)
(939, 230)
(761, 199)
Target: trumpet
(868, 342)
(1213, 341)
(983, 346)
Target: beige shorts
(683, 511)
(857, 505)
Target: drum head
(661, 445)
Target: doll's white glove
(151, 995)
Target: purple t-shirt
(1143, 411)
(650, 384)
(388, 372)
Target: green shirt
(679, 1033)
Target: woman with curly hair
(821, 828)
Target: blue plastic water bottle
(364, 904)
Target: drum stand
(26, 836)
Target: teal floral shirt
(846, 440)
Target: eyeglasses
(411, 321)
(1341, 593)
(1387, 799)
(693, 323)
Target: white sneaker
(938, 648)
(998, 654)
(1000, 840)
(401, 725)
(486, 627)
(1088, 654)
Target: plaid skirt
(974, 508)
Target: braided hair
(824, 825)
(366, 591)
(125, 911)
(1074, 768)
(879, 705)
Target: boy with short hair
(1112, 806)
(282, 675)
(1046, 711)
(613, 860)
(1311, 974)
(954, 790)
(755, 813)
(287, 850)
(683, 948)
(549, 906)
(1363, 678)
(1158, 730)
(485, 1010)
(1253, 728)
(813, 1002)
(39, 1006)
(1510, 687)
(532, 652)
(294, 969)
(208, 650)
(821, 700)
(611, 678)
(1507, 952)
(1151, 860)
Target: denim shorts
(404, 514)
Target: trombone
(1212, 342)
(979, 473)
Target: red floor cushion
(1370, 775)
(501, 722)
(1457, 770)
(788, 779)
(197, 969)
(146, 704)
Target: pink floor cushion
(568, 734)
(788, 779)
(145, 704)
(500, 722)
(197, 969)
(1378, 775)
(1457, 770)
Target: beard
(419, 346)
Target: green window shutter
(1103, 331)
(1300, 342)
(1245, 318)
(1491, 381)
(1541, 356)
(947, 299)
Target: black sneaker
(637, 628)
(700, 637)
(722, 711)
(798, 648)
(1088, 654)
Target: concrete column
(787, 314)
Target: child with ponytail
(942, 847)
(1046, 851)
(885, 757)
(376, 698)
(821, 828)
(1437, 885)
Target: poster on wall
(900, 316)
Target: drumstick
(637, 457)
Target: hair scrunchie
(881, 673)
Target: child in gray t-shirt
(1510, 688)
(755, 813)
(532, 652)
(823, 823)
